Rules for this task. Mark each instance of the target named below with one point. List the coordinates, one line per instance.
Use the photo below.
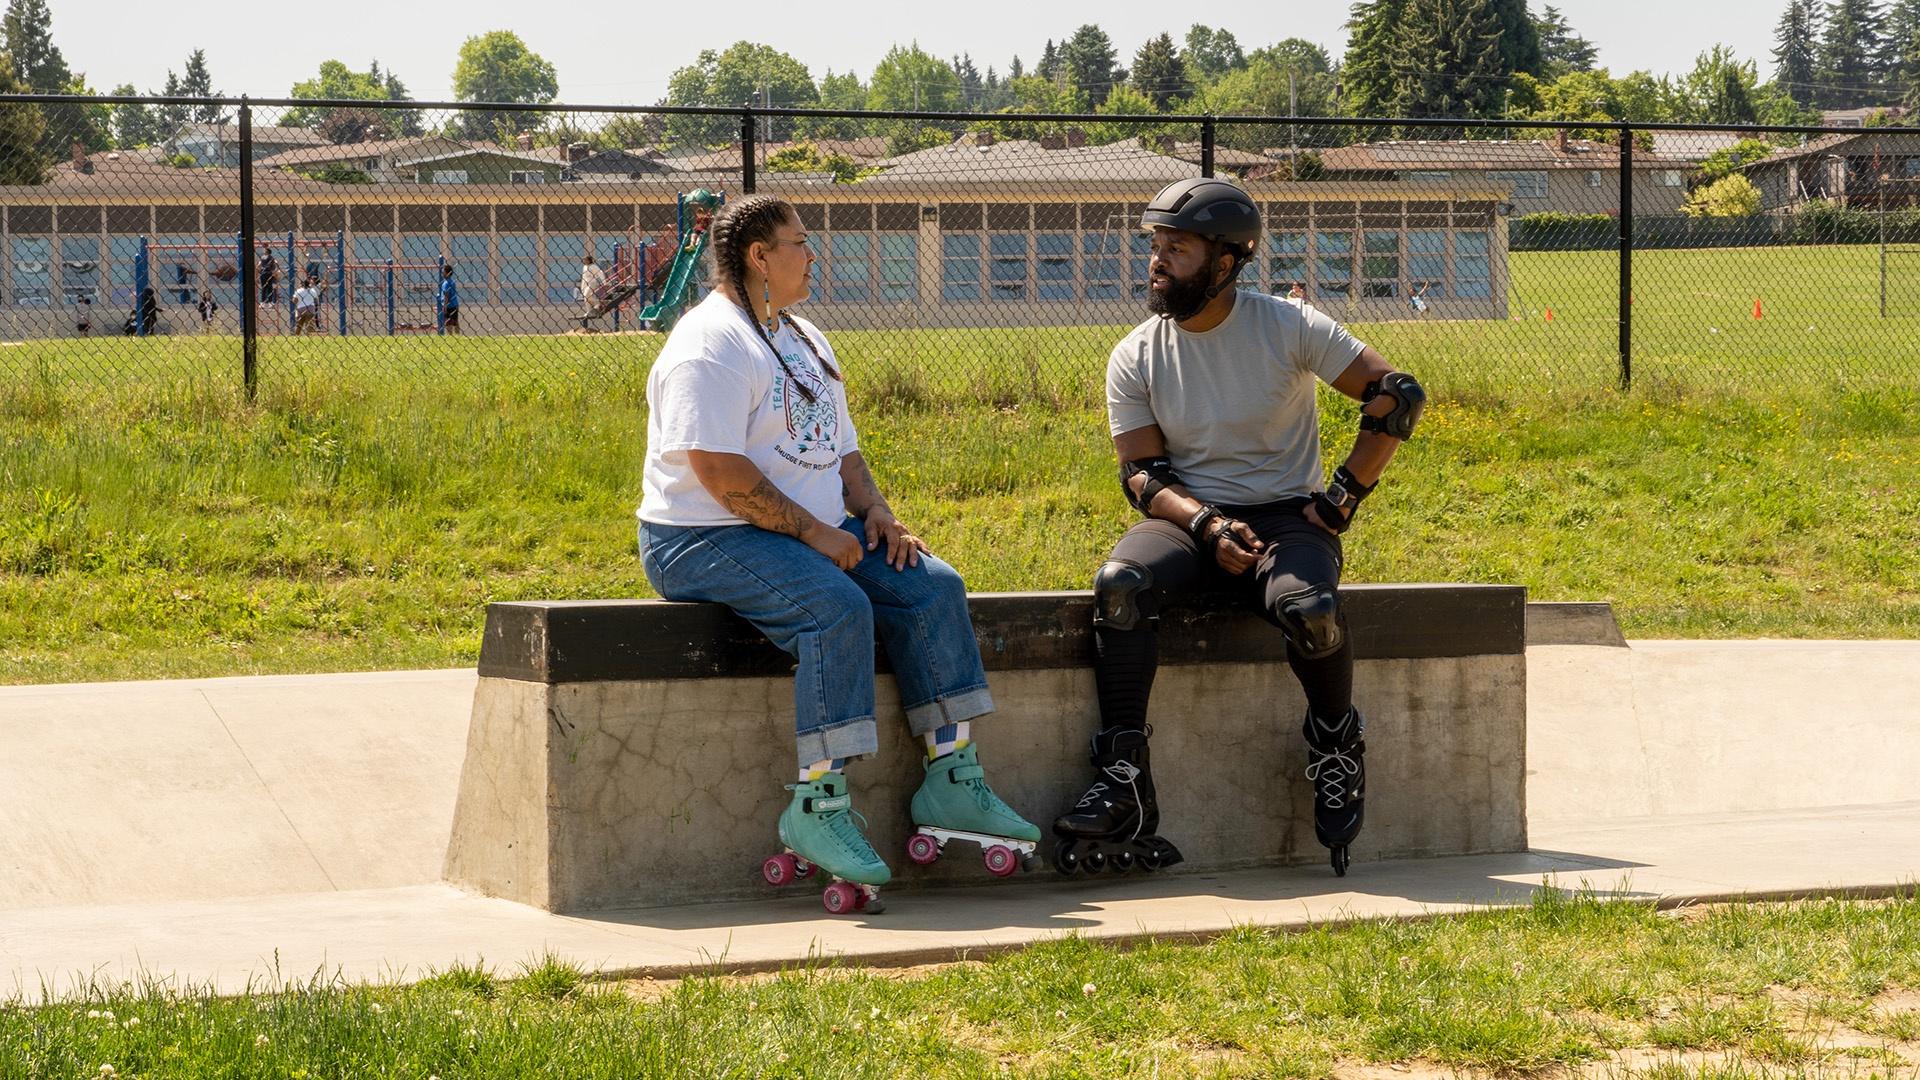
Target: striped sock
(948, 738)
(821, 768)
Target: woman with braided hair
(757, 497)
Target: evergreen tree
(1159, 73)
(133, 125)
(1561, 50)
(1519, 38)
(37, 63)
(972, 87)
(1089, 61)
(1368, 72)
(1015, 70)
(1848, 68)
(1720, 89)
(1899, 30)
(1793, 50)
(404, 123)
(1446, 60)
(1049, 68)
(198, 82)
(22, 130)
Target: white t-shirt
(591, 279)
(304, 298)
(1235, 403)
(718, 387)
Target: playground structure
(693, 211)
(325, 262)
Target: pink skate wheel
(1000, 860)
(923, 849)
(780, 869)
(840, 898)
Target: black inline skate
(1336, 763)
(1113, 824)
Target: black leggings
(1300, 556)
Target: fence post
(249, 283)
(142, 277)
(746, 150)
(1626, 258)
(1206, 145)
(340, 275)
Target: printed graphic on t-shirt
(813, 426)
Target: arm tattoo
(769, 508)
(860, 491)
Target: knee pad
(1123, 595)
(1311, 621)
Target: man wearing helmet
(1211, 405)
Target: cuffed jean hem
(938, 713)
(848, 738)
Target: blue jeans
(825, 618)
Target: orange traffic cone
(1549, 314)
(1756, 309)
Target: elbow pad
(1409, 400)
(1160, 476)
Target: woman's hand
(903, 548)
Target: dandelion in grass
(1089, 990)
(261, 1040)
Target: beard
(1181, 300)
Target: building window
(32, 271)
(960, 266)
(850, 267)
(1471, 278)
(564, 255)
(1008, 265)
(1526, 185)
(80, 268)
(367, 267)
(519, 278)
(472, 266)
(1333, 265)
(1141, 246)
(1100, 265)
(1427, 263)
(1669, 178)
(449, 176)
(1380, 263)
(1053, 265)
(1286, 261)
(528, 177)
(1595, 178)
(899, 267)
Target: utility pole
(1293, 130)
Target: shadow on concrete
(1045, 901)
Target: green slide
(662, 313)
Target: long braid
(738, 226)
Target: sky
(624, 53)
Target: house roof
(865, 150)
(1483, 154)
(1693, 147)
(372, 148)
(1022, 160)
(1824, 144)
(475, 150)
(1223, 156)
(142, 179)
(262, 133)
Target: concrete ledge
(1573, 624)
(618, 758)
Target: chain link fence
(327, 241)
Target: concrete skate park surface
(234, 831)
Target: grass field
(1755, 482)
(1570, 987)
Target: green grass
(362, 513)
(1568, 982)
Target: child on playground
(207, 307)
(83, 319)
(306, 308)
(449, 300)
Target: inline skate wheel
(1122, 861)
(1340, 860)
(1066, 859)
(1095, 861)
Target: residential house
(1572, 176)
(219, 144)
(1863, 169)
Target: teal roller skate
(955, 803)
(817, 828)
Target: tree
(1794, 48)
(1159, 73)
(1049, 68)
(498, 66)
(972, 87)
(1301, 74)
(1900, 33)
(1519, 38)
(1720, 89)
(1847, 68)
(911, 79)
(634, 131)
(837, 92)
(22, 129)
(1014, 70)
(1367, 73)
(1211, 53)
(806, 158)
(336, 80)
(197, 81)
(1729, 196)
(745, 72)
(133, 125)
(1033, 94)
(1089, 62)
(1447, 60)
(26, 35)
(1561, 50)
(1730, 160)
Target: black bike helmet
(1212, 208)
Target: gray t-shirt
(1235, 403)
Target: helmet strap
(1233, 274)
